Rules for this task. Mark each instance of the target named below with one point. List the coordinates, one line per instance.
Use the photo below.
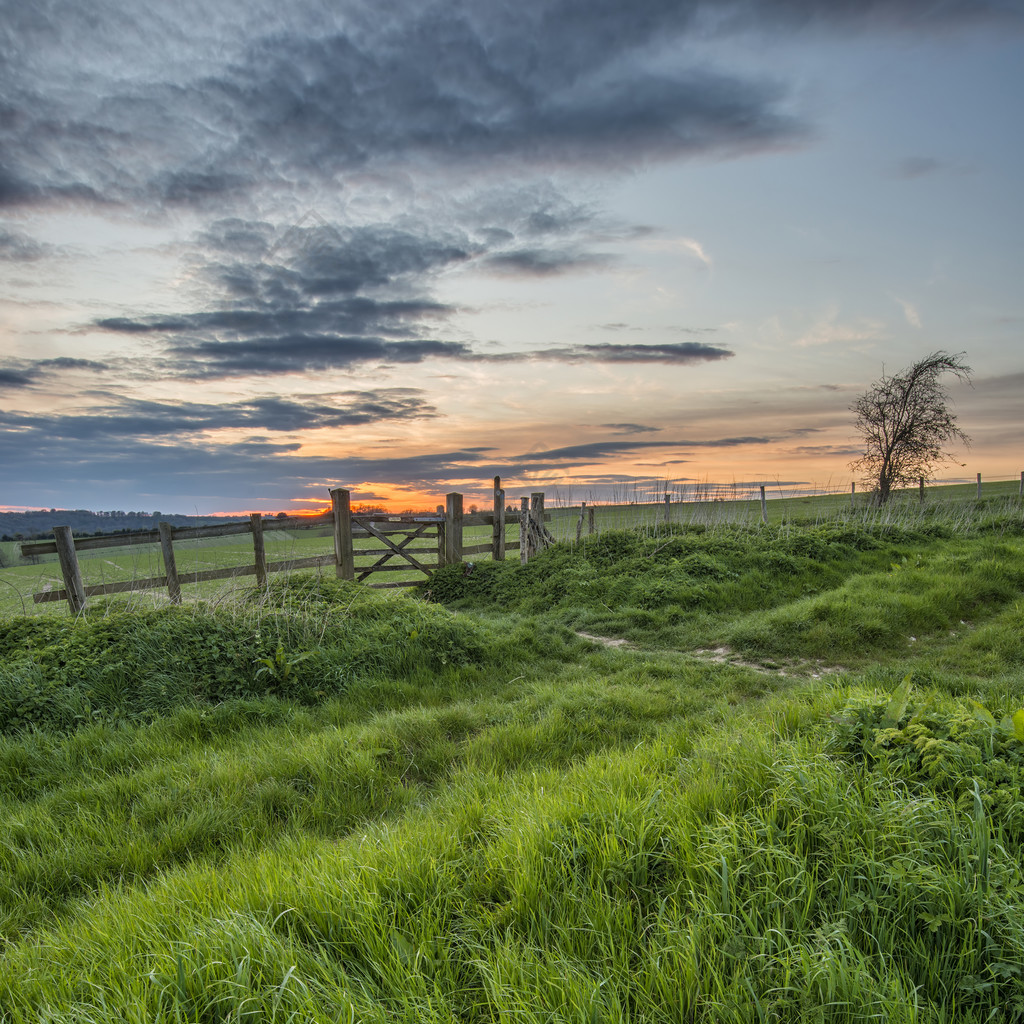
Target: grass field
(19, 582)
(705, 771)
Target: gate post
(536, 522)
(498, 529)
(453, 529)
(344, 556)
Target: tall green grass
(758, 880)
(486, 816)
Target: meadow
(710, 770)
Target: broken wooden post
(591, 520)
(69, 567)
(764, 507)
(853, 492)
(544, 535)
(344, 555)
(498, 528)
(524, 531)
(258, 549)
(453, 529)
(536, 521)
(921, 489)
(979, 487)
(170, 569)
(579, 525)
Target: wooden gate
(398, 535)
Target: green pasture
(955, 505)
(113, 565)
(705, 771)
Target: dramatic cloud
(171, 420)
(24, 373)
(314, 95)
(321, 295)
(545, 262)
(324, 296)
(11, 378)
(421, 152)
(683, 352)
(597, 450)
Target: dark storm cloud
(138, 419)
(545, 262)
(683, 352)
(25, 373)
(297, 301)
(13, 378)
(254, 261)
(298, 353)
(313, 95)
(125, 103)
(341, 317)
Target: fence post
(979, 486)
(921, 488)
(453, 529)
(853, 492)
(668, 508)
(591, 521)
(344, 556)
(1020, 493)
(69, 567)
(259, 551)
(537, 521)
(764, 507)
(171, 570)
(525, 533)
(498, 529)
(579, 525)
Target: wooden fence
(440, 536)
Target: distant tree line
(38, 525)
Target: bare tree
(906, 423)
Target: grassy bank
(792, 794)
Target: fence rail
(419, 544)
(444, 528)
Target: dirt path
(726, 656)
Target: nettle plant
(959, 750)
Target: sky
(251, 251)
